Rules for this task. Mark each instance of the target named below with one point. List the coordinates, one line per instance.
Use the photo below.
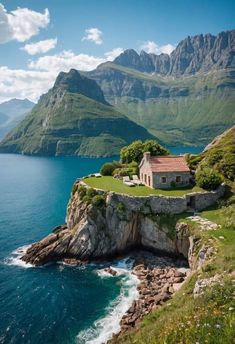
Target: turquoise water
(56, 303)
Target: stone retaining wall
(164, 204)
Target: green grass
(111, 184)
(208, 318)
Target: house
(164, 171)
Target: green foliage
(98, 201)
(134, 152)
(82, 191)
(208, 179)
(221, 155)
(121, 207)
(86, 199)
(109, 167)
(91, 192)
(193, 161)
(154, 148)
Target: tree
(108, 168)
(135, 151)
(208, 179)
(154, 148)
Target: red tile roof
(168, 164)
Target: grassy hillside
(183, 110)
(208, 318)
(72, 124)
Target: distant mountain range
(73, 118)
(185, 98)
(193, 54)
(12, 112)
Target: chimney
(147, 156)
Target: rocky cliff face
(193, 54)
(94, 232)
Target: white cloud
(40, 47)
(111, 55)
(31, 83)
(93, 34)
(66, 60)
(19, 83)
(154, 48)
(21, 24)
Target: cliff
(109, 224)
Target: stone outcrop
(121, 223)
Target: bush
(98, 201)
(109, 167)
(91, 192)
(121, 207)
(134, 152)
(86, 199)
(208, 179)
(82, 191)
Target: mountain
(12, 112)
(199, 53)
(187, 97)
(73, 118)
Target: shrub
(86, 199)
(208, 179)
(109, 167)
(173, 184)
(98, 200)
(82, 191)
(91, 192)
(121, 206)
(134, 152)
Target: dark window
(145, 178)
(163, 180)
(149, 180)
(178, 179)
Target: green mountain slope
(178, 110)
(73, 118)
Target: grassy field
(208, 318)
(112, 184)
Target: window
(163, 180)
(145, 178)
(149, 181)
(178, 179)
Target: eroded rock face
(93, 232)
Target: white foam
(104, 328)
(15, 258)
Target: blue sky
(66, 39)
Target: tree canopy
(135, 151)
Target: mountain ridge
(65, 122)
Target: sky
(40, 38)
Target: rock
(111, 271)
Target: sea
(55, 303)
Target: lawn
(111, 184)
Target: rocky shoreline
(159, 278)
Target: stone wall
(170, 178)
(166, 204)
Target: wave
(104, 328)
(15, 258)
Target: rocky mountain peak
(192, 54)
(74, 82)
